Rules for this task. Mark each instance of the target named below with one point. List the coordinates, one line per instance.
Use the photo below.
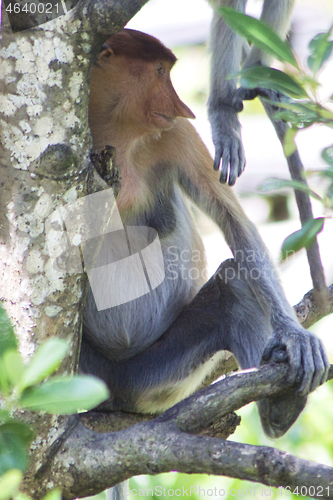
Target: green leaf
(12, 366)
(22, 496)
(7, 337)
(289, 146)
(321, 48)
(18, 429)
(4, 417)
(53, 495)
(14, 438)
(259, 33)
(66, 395)
(303, 113)
(328, 172)
(13, 453)
(273, 184)
(270, 78)
(45, 361)
(9, 484)
(303, 238)
(327, 155)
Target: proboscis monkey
(229, 53)
(157, 349)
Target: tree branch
(101, 460)
(296, 169)
(307, 311)
(156, 447)
(103, 18)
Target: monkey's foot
(229, 152)
(277, 414)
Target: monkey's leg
(226, 48)
(224, 315)
(277, 15)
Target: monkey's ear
(105, 52)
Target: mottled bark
(44, 165)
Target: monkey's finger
(218, 156)
(242, 161)
(326, 364)
(308, 366)
(234, 164)
(225, 165)
(318, 374)
(320, 364)
(296, 372)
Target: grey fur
(228, 51)
(157, 349)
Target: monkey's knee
(227, 272)
(231, 274)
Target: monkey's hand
(229, 152)
(305, 354)
(243, 94)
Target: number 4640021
(33, 8)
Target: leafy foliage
(258, 33)
(299, 106)
(303, 238)
(24, 387)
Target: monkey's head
(131, 84)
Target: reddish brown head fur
(131, 93)
(137, 45)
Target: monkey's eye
(160, 68)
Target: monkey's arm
(306, 356)
(225, 100)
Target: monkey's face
(137, 94)
(148, 100)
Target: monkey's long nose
(180, 108)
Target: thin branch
(307, 310)
(297, 173)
